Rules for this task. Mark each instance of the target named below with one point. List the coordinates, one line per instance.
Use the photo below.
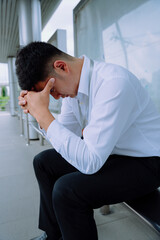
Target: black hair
(31, 63)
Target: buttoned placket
(82, 101)
(83, 110)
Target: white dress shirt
(116, 113)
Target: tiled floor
(19, 194)
(122, 224)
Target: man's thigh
(51, 162)
(120, 179)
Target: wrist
(45, 119)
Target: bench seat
(148, 207)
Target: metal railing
(41, 137)
(24, 125)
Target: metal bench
(148, 207)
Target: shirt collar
(84, 78)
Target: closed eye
(52, 90)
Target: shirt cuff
(42, 130)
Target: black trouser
(68, 197)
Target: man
(118, 157)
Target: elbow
(93, 166)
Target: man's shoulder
(109, 75)
(110, 69)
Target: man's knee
(62, 190)
(67, 194)
(42, 158)
(38, 159)
(66, 190)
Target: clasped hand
(36, 103)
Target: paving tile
(117, 212)
(19, 193)
(22, 229)
(129, 228)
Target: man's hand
(22, 102)
(36, 103)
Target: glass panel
(133, 41)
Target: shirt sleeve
(113, 105)
(68, 119)
(43, 133)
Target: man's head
(37, 62)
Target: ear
(60, 65)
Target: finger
(23, 93)
(21, 98)
(26, 111)
(22, 102)
(24, 107)
(49, 85)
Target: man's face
(66, 79)
(61, 88)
